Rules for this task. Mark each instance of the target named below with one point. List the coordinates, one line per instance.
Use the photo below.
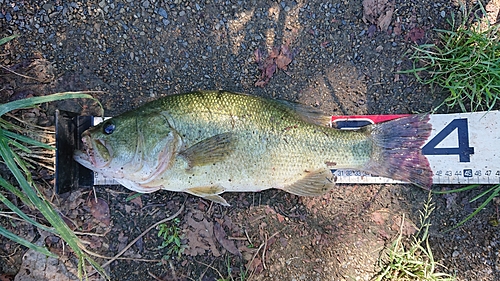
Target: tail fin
(397, 153)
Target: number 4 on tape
(463, 150)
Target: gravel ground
(137, 51)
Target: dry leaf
(200, 235)
(270, 69)
(416, 34)
(274, 53)
(227, 244)
(255, 266)
(378, 12)
(283, 61)
(279, 58)
(100, 210)
(137, 201)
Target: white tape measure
(464, 148)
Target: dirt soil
(332, 55)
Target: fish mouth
(94, 153)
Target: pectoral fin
(314, 183)
(209, 151)
(209, 192)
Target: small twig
(91, 233)
(47, 130)
(116, 258)
(210, 266)
(115, 192)
(256, 253)
(154, 276)
(237, 238)
(13, 253)
(19, 74)
(248, 237)
(95, 194)
(264, 253)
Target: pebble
(162, 13)
(443, 14)
(47, 6)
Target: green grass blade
(478, 209)
(21, 214)
(30, 102)
(20, 146)
(4, 232)
(484, 193)
(27, 140)
(30, 195)
(7, 39)
(12, 189)
(469, 187)
(44, 207)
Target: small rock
(443, 14)
(47, 6)
(8, 17)
(379, 49)
(162, 12)
(145, 4)
(182, 13)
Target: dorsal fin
(307, 113)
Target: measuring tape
(463, 148)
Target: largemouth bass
(209, 142)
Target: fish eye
(108, 128)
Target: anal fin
(315, 183)
(209, 192)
